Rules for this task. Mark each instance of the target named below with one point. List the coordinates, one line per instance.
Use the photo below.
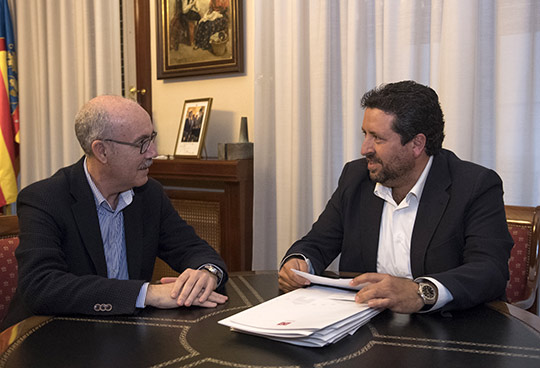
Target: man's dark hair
(416, 109)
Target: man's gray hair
(92, 122)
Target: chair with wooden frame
(9, 240)
(524, 226)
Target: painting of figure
(199, 37)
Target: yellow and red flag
(9, 109)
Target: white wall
(232, 94)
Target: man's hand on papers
(384, 291)
(192, 287)
(342, 283)
(288, 280)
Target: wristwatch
(428, 292)
(213, 270)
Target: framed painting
(199, 37)
(193, 123)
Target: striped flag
(9, 110)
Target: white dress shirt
(395, 234)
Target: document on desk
(314, 316)
(328, 281)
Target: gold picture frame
(193, 125)
(199, 37)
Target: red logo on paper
(284, 323)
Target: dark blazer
(460, 236)
(62, 267)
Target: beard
(391, 172)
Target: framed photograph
(199, 37)
(193, 123)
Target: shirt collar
(125, 199)
(385, 193)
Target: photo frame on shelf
(199, 37)
(192, 131)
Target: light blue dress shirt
(111, 224)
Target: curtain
(68, 53)
(315, 59)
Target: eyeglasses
(144, 145)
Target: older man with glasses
(90, 234)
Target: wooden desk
(480, 337)
(216, 198)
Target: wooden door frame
(142, 54)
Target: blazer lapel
(430, 211)
(133, 229)
(84, 212)
(371, 208)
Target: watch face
(428, 292)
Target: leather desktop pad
(192, 337)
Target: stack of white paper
(314, 316)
